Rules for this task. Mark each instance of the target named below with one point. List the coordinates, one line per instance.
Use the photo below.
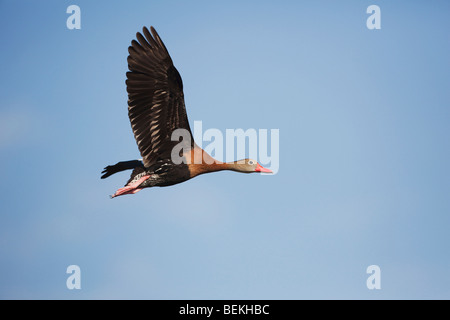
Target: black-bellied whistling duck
(156, 108)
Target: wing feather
(155, 97)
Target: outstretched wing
(155, 97)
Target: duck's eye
(251, 162)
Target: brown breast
(200, 162)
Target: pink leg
(131, 188)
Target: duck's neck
(197, 169)
(208, 163)
(233, 166)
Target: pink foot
(131, 188)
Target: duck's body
(156, 109)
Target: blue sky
(364, 152)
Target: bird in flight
(156, 109)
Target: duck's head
(250, 166)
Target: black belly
(165, 173)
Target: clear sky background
(364, 152)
